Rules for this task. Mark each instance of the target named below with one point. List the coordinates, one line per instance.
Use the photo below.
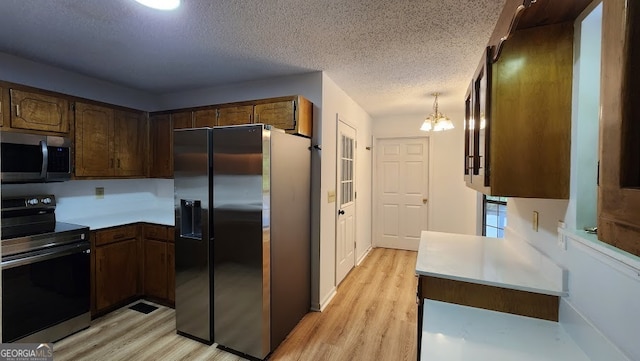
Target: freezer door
(192, 174)
(241, 247)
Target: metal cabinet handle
(18, 110)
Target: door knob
(341, 212)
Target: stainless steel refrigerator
(257, 227)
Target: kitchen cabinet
(205, 118)
(519, 131)
(182, 120)
(32, 110)
(235, 115)
(293, 114)
(159, 272)
(116, 270)
(2, 106)
(109, 142)
(619, 177)
(160, 146)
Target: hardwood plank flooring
(372, 317)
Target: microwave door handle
(45, 159)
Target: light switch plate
(535, 221)
(331, 196)
(99, 192)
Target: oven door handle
(50, 254)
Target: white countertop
(460, 333)
(153, 215)
(482, 260)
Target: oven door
(45, 294)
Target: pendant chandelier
(436, 121)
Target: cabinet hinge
(355, 195)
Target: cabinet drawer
(116, 234)
(153, 231)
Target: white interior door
(402, 173)
(346, 210)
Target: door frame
(375, 202)
(339, 120)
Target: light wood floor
(372, 317)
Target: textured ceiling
(387, 55)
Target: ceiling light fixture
(160, 4)
(436, 121)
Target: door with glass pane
(346, 206)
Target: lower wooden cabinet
(130, 262)
(116, 273)
(158, 270)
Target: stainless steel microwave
(30, 158)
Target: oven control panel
(28, 202)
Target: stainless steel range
(45, 272)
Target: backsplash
(77, 199)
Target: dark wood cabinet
(293, 114)
(37, 111)
(205, 118)
(519, 135)
(159, 272)
(116, 273)
(109, 143)
(619, 178)
(94, 140)
(160, 146)
(235, 115)
(182, 120)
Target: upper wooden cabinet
(619, 178)
(160, 146)
(2, 106)
(235, 115)
(204, 118)
(109, 143)
(293, 114)
(182, 120)
(35, 111)
(519, 130)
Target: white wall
(452, 205)
(26, 72)
(335, 102)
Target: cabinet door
(204, 118)
(35, 111)
(94, 141)
(161, 147)
(116, 272)
(155, 268)
(129, 144)
(171, 273)
(619, 187)
(235, 115)
(279, 114)
(2, 106)
(182, 120)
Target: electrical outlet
(535, 221)
(562, 241)
(99, 192)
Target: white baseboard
(587, 336)
(324, 303)
(364, 255)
